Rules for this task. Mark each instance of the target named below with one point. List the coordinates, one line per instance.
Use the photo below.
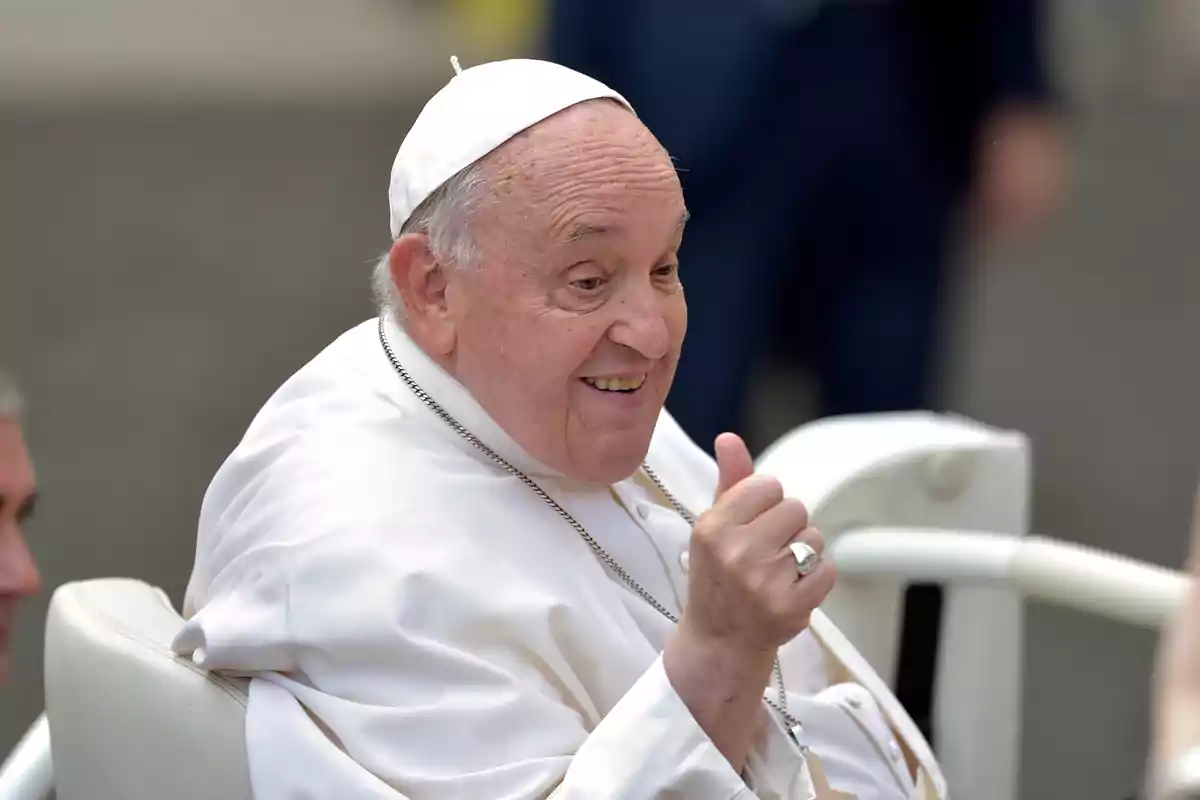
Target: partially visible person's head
(554, 295)
(18, 573)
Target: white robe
(421, 625)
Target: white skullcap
(477, 111)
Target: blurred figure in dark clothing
(831, 153)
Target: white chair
(920, 469)
(919, 497)
(129, 720)
(907, 497)
(28, 772)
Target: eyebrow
(585, 230)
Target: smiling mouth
(619, 385)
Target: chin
(616, 457)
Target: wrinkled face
(569, 329)
(18, 574)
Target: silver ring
(807, 559)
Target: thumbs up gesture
(734, 463)
(745, 588)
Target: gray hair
(10, 398)
(444, 217)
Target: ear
(421, 283)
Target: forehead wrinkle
(583, 138)
(565, 179)
(600, 176)
(575, 176)
(582, 209)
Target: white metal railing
(1041, 569)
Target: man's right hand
(745, 598)
(743, 585)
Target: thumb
(734, 463)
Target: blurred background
(191, 196)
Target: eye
(666, 270)
(588, 285)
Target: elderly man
(18, 573)
(464, 551)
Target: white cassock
(422, 625)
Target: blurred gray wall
(1089, 345)
(167, 257)
(190, 203)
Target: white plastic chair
(902, 498)
(130, 720)
(28, 773)
(919, 497)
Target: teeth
(616, 384)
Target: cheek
(561, 353)
(677, 319)
(572, 343)
(530, 359)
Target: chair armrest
(28, 773)
(1042, 569)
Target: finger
(787, 559)
(811, 537)
(734, 463)
(782, 523)
(747, 500)
(809, 592)
(797, 599)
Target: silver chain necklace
(779, 705)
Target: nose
(641, 322)
(18, 572)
